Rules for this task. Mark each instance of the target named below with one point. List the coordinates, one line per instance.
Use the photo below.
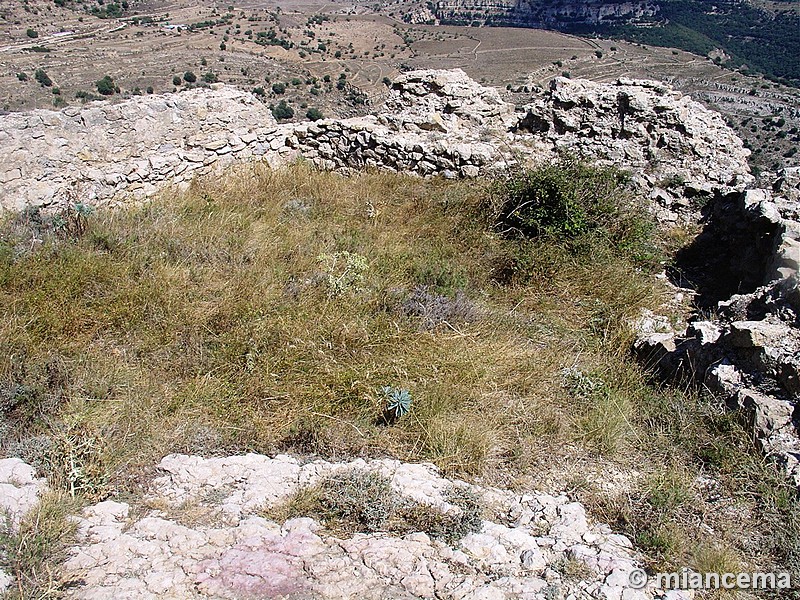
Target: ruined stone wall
(434, 123)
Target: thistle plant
(344, 271)
(398, 402)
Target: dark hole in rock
(731, 255)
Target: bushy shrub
(106, 86)
(189, 77)
(314, 114)
(32, 33)
(176, 81)
(279, 87)
(282, 111)
(568, 199)
(43, 78)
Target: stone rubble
(433, 123)
(236, 552)
(748, 351)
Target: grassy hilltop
(269, 311)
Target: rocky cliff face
(546, 14)
(435, 122)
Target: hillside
(744, 34)
(453, 350)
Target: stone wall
(434, 123)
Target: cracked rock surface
(210, 538)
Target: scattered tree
(106, 86)
(314, 114)
(189, 77)
(32, 33)
(42, 77)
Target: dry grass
(206, 322)
(32, 551)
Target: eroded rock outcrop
(434, 123)
(745, 347)
(210, 538)
(676, 148)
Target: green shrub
(106, 86)
(189, 77)
(32, 33)
(279, 87)
(22, 76)
(567, 200)
(210, 77)
(42, 77)
(282, 111)
(176, 81)
(314, 114)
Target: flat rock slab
(210, 538)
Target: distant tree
(42, 77)
(279, 87)
(176, 81)
(282, 111)
(106, 86)
(210, 77)
(259, 91)
(22, 76)
(189, 77)
(32, 33)
(314, 114)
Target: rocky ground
(209, 538)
